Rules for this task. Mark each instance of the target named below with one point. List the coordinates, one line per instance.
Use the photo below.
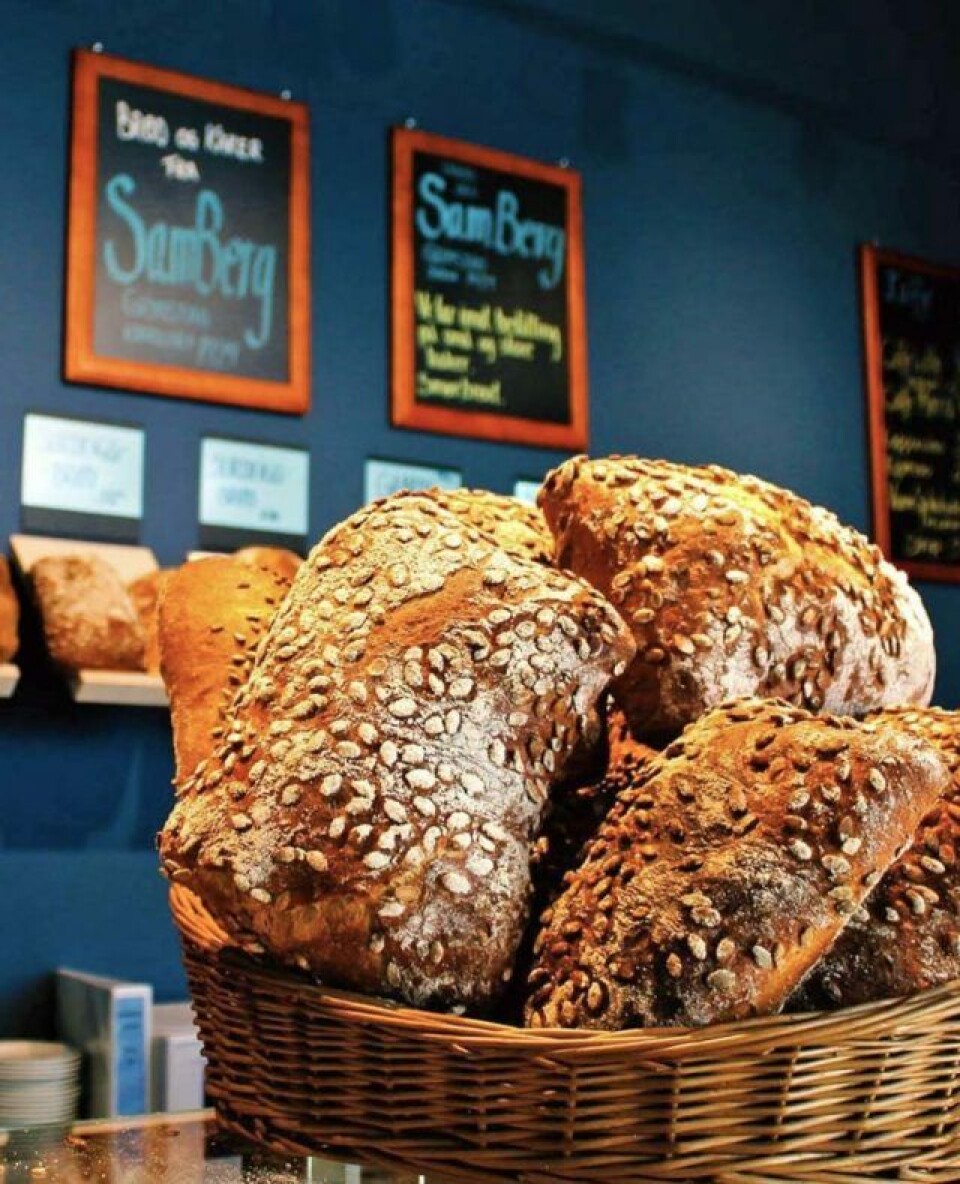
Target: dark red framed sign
(911, 326)
(188, 256)
(488, 318)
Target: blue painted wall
(733, 154)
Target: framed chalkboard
(488, 322)
(188, 247)
(911, 320)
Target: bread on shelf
(145, 592)
(89, 622)
(283, 562)
(734, 587)
(9, 614)
(728, 866)
(370, 809)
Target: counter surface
(165, 1149)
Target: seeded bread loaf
(622, 746)
(88, 620)
(733, 588)
(519, 528)
(144, 593)
(285, 563)
(578, 808)
(728, 866)
(9, 614)
(906, 936)
(212, 614)
(370, 812)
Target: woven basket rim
(869, 1020)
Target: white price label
(526, 491)
(247, 486)
(82, 467)
(383, 477)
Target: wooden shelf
(9, 677)
(122, 688)
(128, 562)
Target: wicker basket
(870, 1093)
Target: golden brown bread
(623, 747)
(370, 812)
(277, 559)
(145, 592)
(9, 614)
(728, 866)
(579, 806)
(519, 528)
(212, 614)
(88, 619)
(734, 587)
(907, 934)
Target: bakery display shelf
(9, 677)
(128, 562)
(122, 688)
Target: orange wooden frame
(405, 411)
(81, 363)
(872, 258)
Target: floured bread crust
(906, 937)
(732, 588)
(520, 529)
(728, 866)
(579, 807)
(370, 811)
(88, 619)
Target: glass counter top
(166, 1149)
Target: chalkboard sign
(911, 316)
(188, 255)
(488, 325)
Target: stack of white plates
(39, 1083)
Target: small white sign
(526, 491)
(383, 477)
(82, 467)
(247, 486)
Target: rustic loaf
(733, 588)
(370, 811)
(212, 614)
(579, 806)
(145, 592)
(520, 529)
(9, 614)
(728, 866)
(88, 620)
(906, 936)
(285, 563)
